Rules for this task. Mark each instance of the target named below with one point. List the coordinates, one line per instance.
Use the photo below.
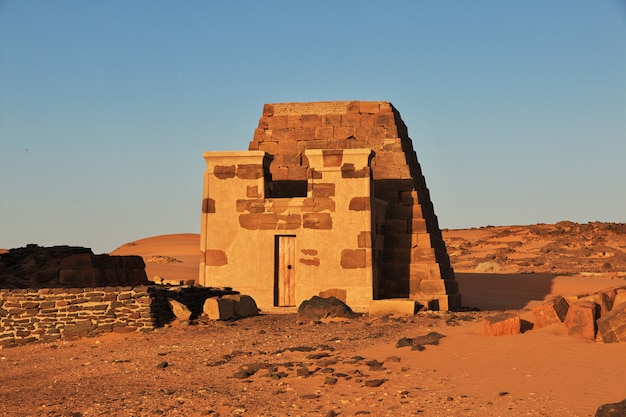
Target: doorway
(285, 271)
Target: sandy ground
(347, 369)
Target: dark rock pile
(67, 266)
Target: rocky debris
(551, 311)
(612, 410)
(562, 248)
(418, 343)
(324, 309)
(269, 349)
(159, 259)
(503, 324)
(181, 311)
(375, 382)
(157, 279)
(602, 299)
(581, 319)
(599, 316)
(612, 327)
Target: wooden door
(285, 271)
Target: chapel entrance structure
(329, 197)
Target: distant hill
(562, 248)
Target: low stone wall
(52, 313)
(49, 314)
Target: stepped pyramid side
(410, 257)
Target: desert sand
(354, 367)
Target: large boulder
(181, 311)
(603, 299)
(620, 297)
(503, 324)
(581, 319)
(243, 305)
(217, 308)
(321, 309)
(612, 327)
(612, 410)
(551, 311)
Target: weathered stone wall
(53, 313)
(68, 266)
(331, 225)
(296, 178)
(49, 314)
(415, 262)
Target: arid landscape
(270, 365)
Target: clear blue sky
(517, 109)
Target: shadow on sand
(503, 291)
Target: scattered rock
(243, 305)
(303, 371)
(503, 324)
(620, 297)
(612, 410)
(404, 342)
(417, 343)
(603, 300)
(612, 327)
(551, 311)
(217, 308)
(374, 365)
(431, 338)
(318, 308)
(581, 319)
(162, 365)
(329, 380)
(181, 311)
(375, 382)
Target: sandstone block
(311, 120)
(243, 305)
(504, 324)
(620, 297)
(359, 204)
(602, 299)
(551, 311)
(181, 311)
(396, 306)
(439, 286)
(353, 258)
(215, 257)
(612, 327)
(323, 190)
(317, 221)
(219, 308)
(581, 319)
(332, 157)
(331, 120)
